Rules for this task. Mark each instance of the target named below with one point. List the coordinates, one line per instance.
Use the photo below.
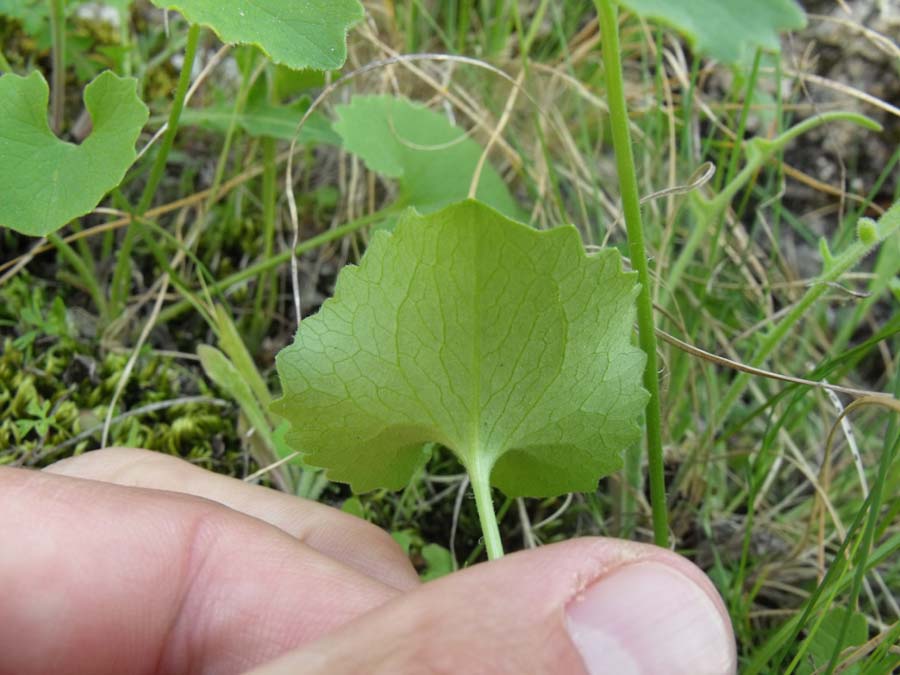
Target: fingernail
(650, 618)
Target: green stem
(266, 289)
(759, 151)
(58, 35)
(834, 269)
(249, 76)
(868, 537)
(537, 20)
(480, 475)
(736, 149)
(168, 140)
(84, 272)
(618, 113)
(123, 266)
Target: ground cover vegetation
(532, 270)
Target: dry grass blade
(737, 365)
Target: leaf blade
(309, 34)
(439, 335)
(433, 159)
(46, 181)
(727, 30)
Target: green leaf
(34, 15)
(433, 160)
(404, 539)
(727, 30)
(507, 345)
(222, 372)
(438, 562)
(308, 34)
(46, 182)
(823, 642)
(354, 507)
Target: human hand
(124, 561)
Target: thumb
(582, 606)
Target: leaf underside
(46, 182)
(307, 34)
(470, 330)
(433, 160)
(727, 30)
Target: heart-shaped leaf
(305, 34)
(507, 345)
(433, 159)
(46, 182)
(727, 30)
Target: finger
(99, 578)
(339, 535)
(583, 606)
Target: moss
(55, 386)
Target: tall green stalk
(618, 113)
(123, 266)
(58, 92)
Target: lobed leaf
(45, 181)
(507, 345)
(727, 30)
(307, 34)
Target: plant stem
(122, 271)
(618, 114)
(266, 289)
(868, 537)
(480, 475)
(58, 36)
(168, 140)
(834, 269)
(759, 151)
(84, 272)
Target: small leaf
(823, 642)
(507, 345)
(727, 30)
(404, 539)
(222, 372)
(438, 562)
(47, 182)
(354, 507)
(307, 34)
(433, 160)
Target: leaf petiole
(479, 469)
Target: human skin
(127, 561)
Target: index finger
(344, 537)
